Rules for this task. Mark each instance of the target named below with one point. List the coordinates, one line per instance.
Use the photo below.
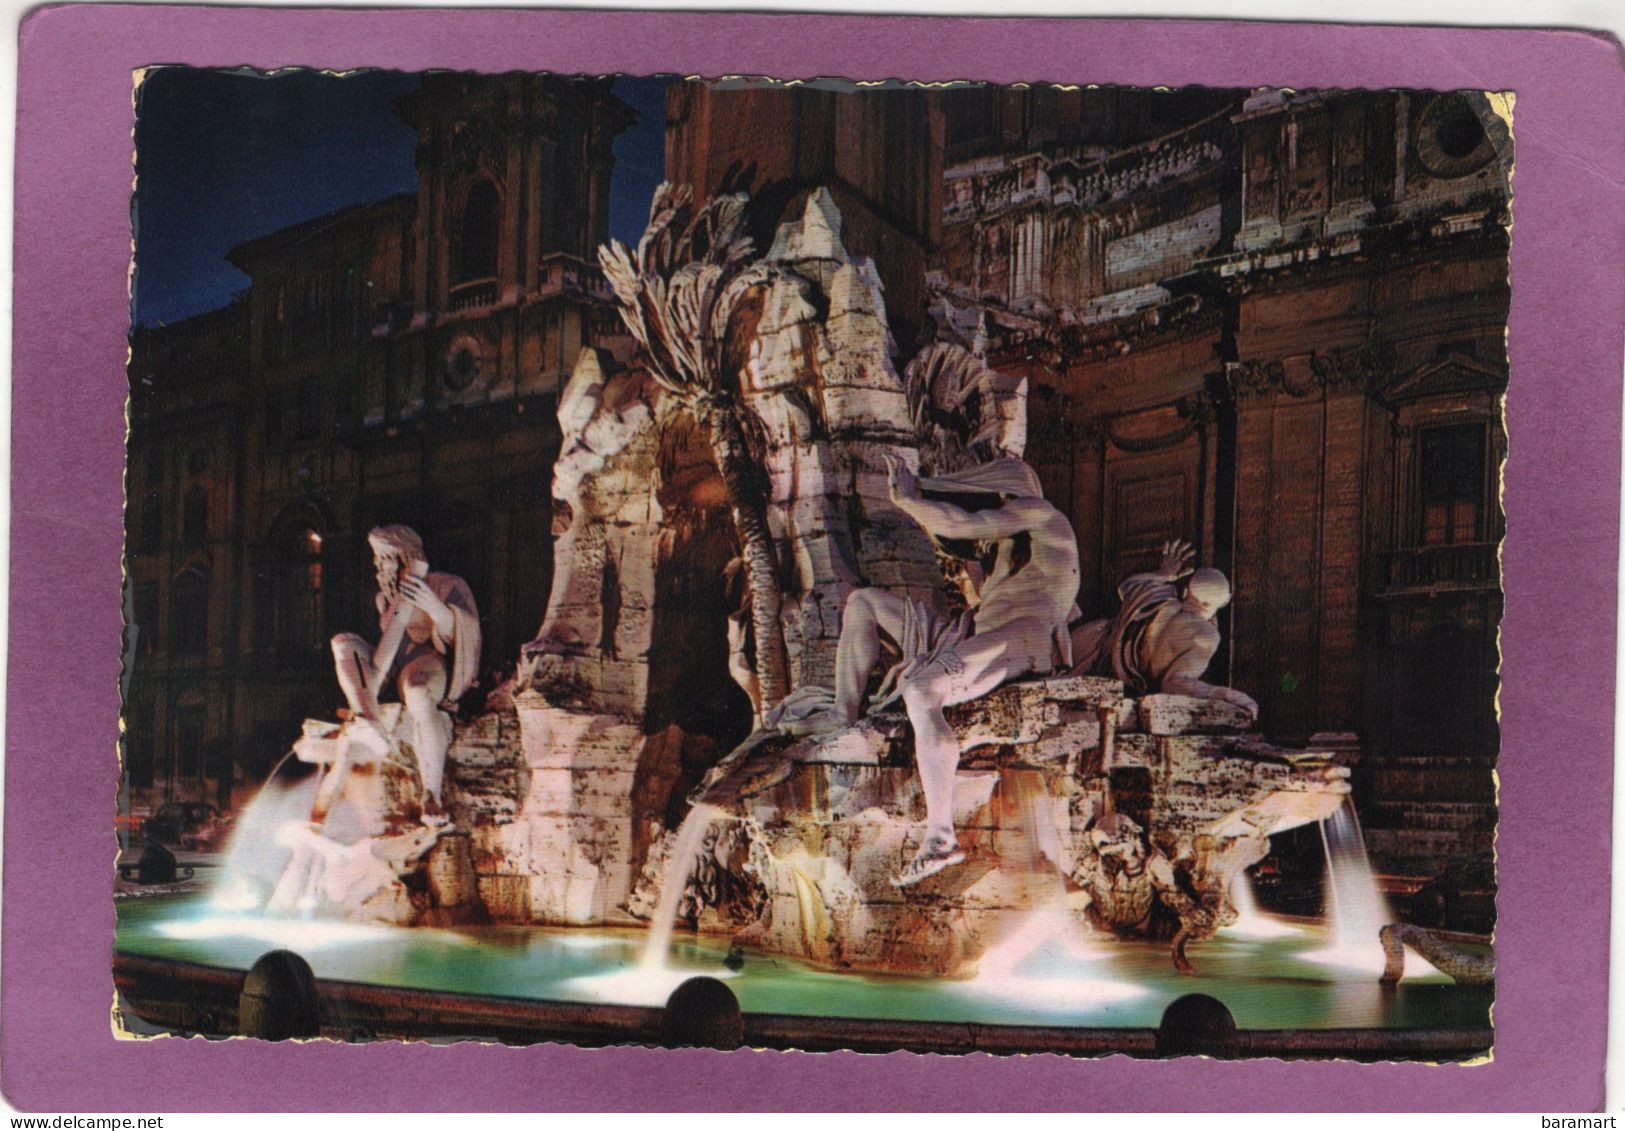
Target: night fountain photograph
(813, 566)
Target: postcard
(657, 554)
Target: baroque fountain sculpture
(939, 744)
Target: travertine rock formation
(1064, 792)
(644, 528)
(643, 673)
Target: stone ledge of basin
(866, 743)
(1253, 748)
(1163, 714)
(1454, 1043)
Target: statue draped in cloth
(1161, 640)
(429, 645)
(1015, 626)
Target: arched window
(298, 584)
(477, 245)
(275, 335)
(195, 517)
(189, 613)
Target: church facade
(393, 362)
(1271, 324)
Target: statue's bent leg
(869, 613)
(352, 662)
(974, 668)
(423, 686)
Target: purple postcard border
(1562, 497)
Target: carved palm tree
(678, 292)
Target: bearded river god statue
(429, 647)
(378, 805)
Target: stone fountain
(719, 500)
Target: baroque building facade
(1271, 324)
(1275, 329)
(392, 362)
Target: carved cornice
(1015, 337)
(1362, 369)
(1252, 380)
(1452, 374)
(983, 188)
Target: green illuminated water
(1273, 982)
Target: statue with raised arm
(429, 648)
(1021, 578)
(1162, 640)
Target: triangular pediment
(1454, 373)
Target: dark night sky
(223, 157)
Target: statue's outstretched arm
(945, 520)
(1178, 560)
(1201, 689)
(1195, 641)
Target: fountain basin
(180, 965)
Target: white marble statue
(429, 646)
(1162, 640)
(1021, 571)
(360, 880)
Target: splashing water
(1356, 908)
(1252, 923)
(1038, 963)
(673, 880)
(306, 936)
(1038, 815)
(255, 859)
(652, 979)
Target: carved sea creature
(1466, 967)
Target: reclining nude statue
(1160, 640)
(1015, 626)
(429, 647)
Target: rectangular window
(968, 115)
(188, 751)
(1451, 484)
(264, 627)
(152, 523)
(189, 614)
(273, 420)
